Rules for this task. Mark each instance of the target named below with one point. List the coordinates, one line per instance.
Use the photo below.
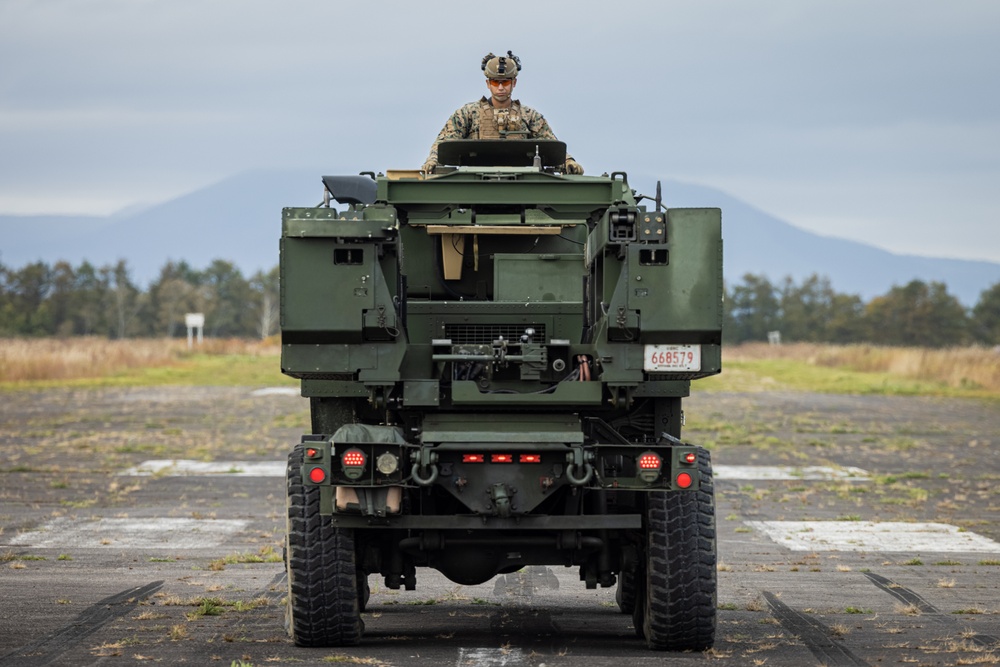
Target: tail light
(650, 461)
(502, 458)
(317, 475)
(353, 462)
(684, 480)
(649, 464)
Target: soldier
(498, 117)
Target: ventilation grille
(485, 334)
(682, 375)
(310, 375)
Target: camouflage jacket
(464, 124)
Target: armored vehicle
(495, 356)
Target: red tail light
(530, 458)
(353, 458)
(311, 453)
(684, 480)
(650, 461)
(502, 458)
(317, 475)
(473, 458)
(690, 457)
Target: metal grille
(682, 375)
(485, 334)
(309, 375)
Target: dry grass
(960, 367)
(25, 360)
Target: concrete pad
(149, 533)
(277, 391)
(874, 536)
(184, 467)
(847, 473)
(491, 657)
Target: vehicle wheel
(364, 591)
(625, 594)
(323, 596)
(676, 605)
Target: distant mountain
(239, 220)
(755, 242)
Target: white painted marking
(789, 473)
(158, 533)
(277, 391)
(181, 467)
(490, 657)
(874, 536)
(184, 467)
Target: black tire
(364, 591)
(625, 594)
(677, 587)
(323, 596)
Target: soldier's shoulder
(528, 111)
(467, 110)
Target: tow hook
(575, 460)
(425, 460)
(501, 500)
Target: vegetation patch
(858, 369)
(88, 361)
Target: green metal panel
(565, 393)
(319, 295)
(681, 301)
(444, 427)
(371, 222)
(467, 188)
(541, 277)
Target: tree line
(85, 300)
(917, 314)
(63, 300)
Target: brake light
(353, 462)
(690, 457)
(530, 458)
(317, 475)
(353, 458)
(649, 461)
(473, 458)
(684, 480)
(311, 453)
(502, 458)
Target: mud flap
(370, 502)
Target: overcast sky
(872, 120)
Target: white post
(195, 321)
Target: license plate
(659, 358)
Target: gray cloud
(868, 120)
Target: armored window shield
(501, 152)
(351, 189)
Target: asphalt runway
(852, 531)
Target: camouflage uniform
(522, 122)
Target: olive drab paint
(489, 352)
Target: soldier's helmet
(501, 67)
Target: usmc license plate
(661, 358)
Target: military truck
(495, 356)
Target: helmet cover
(501, 67)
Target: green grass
(791, 375)
(234, 370)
